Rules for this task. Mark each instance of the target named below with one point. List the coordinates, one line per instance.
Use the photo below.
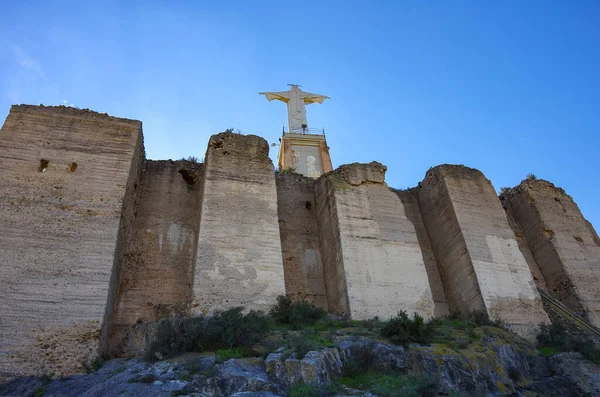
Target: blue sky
(507, 87)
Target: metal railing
(568, 314)
(313, 131)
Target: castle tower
(302, 148)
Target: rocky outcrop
(583, 375)
(315, 368)
(496, 365)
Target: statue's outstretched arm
(281, 96)
(312, 98)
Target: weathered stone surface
(489, 368)
(377, 261)
(356, 174)
(536, 273)
(298, 227)
(565, 246)
(315, 368)
(584, 375)
(243, 375)
(69, 184)
(481, 265)
(156, 277)
(239, 260)
(413, 213)
(334, 273)
(386, 357)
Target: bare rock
(583, 374)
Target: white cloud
(26, 61)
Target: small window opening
(43, 165)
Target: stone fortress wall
(96, 241)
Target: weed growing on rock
(226, 354)
(531, 177)
(305, 390)
(296, 313)
(288, 170)
(192, 159)
(41, 390)
(361, 361)
(148, 378)
(306, 341)
(393, 384)
(402, 330)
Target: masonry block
(299, 231)
(69, 184)
(564, 244)
(481, 265)
(239, 261)
(157, 272)
(412, 211)
(372, 261)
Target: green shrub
(402, 330)
(223, 330)
(97, 364)
(362, 360)
(554, 338)
(296, 313)
(548, 351)
(226, 354)
(305, 391)
(306, 341)
(393, 385)
(288, 170)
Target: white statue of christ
(296, 99)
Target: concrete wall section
(483, 268)
(299, 232)
(413, 214)
(331, 247)
(239, 261)
(382, 261)
(538, 276)
(449, 246)
(563, 243)
(157, 272)
(65, 174)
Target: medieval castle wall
(482, 267)
(300, 244)
(564, 245)
(412, 210)
(69, 180)
(239, 260)
(379, 253)
(95, 240)
(157, 273)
